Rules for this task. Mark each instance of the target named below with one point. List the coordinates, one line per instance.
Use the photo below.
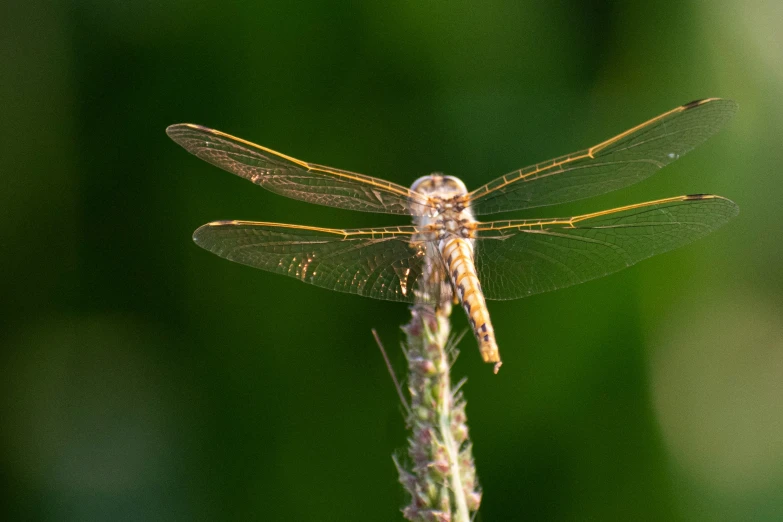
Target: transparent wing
(382, 263)
(294, 178)
(524, 257)
(618, 162)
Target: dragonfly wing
(519, 258)
(382, 263)
(618, 162)
(295, 178)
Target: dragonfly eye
(454, 185)
(444, 187)
(424, 184)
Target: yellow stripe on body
(458, 255)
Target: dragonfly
(446, 256)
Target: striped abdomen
(458, 254)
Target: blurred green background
(146, 379)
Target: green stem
(442, 477)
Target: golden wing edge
(173, 132)
(486, 192)
(730, 109)
(557, 262)
(570, 222)
(176, 133)
(393, 232)
(378, 263)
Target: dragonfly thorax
(448, 215)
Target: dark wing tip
(696, 103)
(732, 208)
(698, 197)
(704, 101)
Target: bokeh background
(146, 379)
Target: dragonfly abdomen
(458, 255)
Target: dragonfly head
(439, 185)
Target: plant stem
(442, 478)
